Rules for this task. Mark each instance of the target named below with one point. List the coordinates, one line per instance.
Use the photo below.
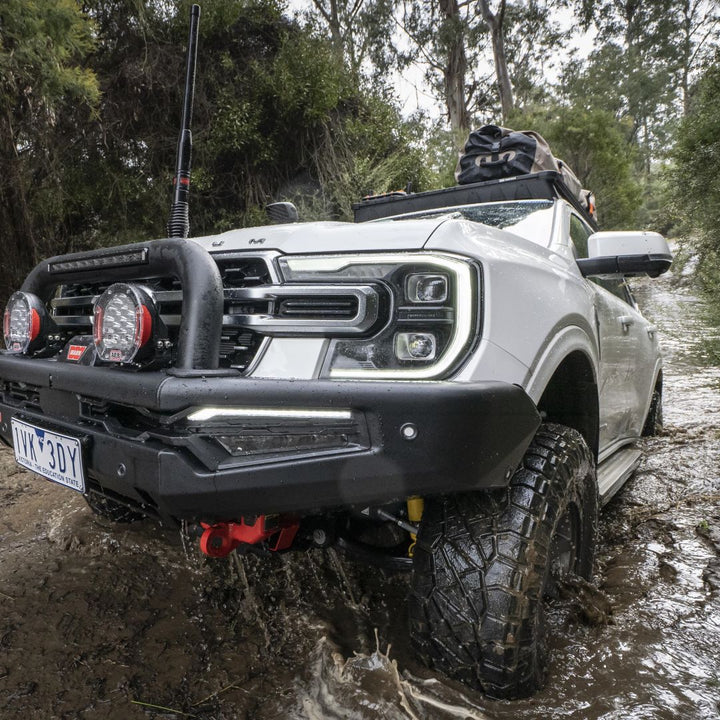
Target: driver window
(617, 286)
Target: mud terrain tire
(654, 420)
(111, 509)
(482, 566)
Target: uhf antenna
(179, 223)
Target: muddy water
(105, 622)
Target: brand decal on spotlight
(75, 352)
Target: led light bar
(210, 413)
(106, 260)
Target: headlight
(431, 319)
(427, 288)
(25, 323)
(123, 320)
(415, 346)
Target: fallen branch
(161, 707)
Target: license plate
(54, 456)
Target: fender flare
(657, 372)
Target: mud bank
(102, 621)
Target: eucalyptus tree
(494, 19)
(443, 41)
(648, 52)
(698, 23)
(484, 58)
(45, 91)
(360, 32)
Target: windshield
(531, 219)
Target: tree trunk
(20, 250)
(687, 50)
(331, 14)
(496, 23)
(455, 69)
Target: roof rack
(546, 185)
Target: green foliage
(46, 92)
(697, 154)
(360, 34)
(657, 211)
(379, 153)
(41, 43)
(594, 144)
(695, 179)
(441, 150)
(614, 80)
(280, 118)
(532, 38)
(646, 54)
(304, 94)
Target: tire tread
(478, 623)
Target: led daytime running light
(210, 413)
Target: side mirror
(626, 253)
(282, 212)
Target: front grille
(73, 307)
(244, 272)
(317, 308)
(238, 348)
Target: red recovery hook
(221, 539)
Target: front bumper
(140, 447)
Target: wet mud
(107, 621)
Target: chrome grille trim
(360, 300)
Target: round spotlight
(25, 323)
(123, 323)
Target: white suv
(450, 385)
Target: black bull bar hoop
(202, 314)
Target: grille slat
(319, 308)
(73, 321)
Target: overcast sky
(414, 93)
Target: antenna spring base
(179, 224)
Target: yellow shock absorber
(415, 507)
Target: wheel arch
(653, 418)
(570, 398)
(658, 380)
